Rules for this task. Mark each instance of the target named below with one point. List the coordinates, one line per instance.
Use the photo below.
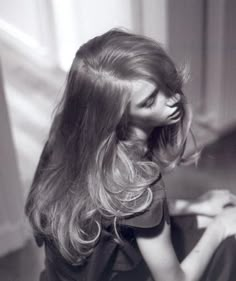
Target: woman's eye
(150, 102)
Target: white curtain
(12, 224)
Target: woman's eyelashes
(151, 100)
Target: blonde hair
(92, 166)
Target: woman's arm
(181, 207)
(161, 259)
(158, 252)
(209, 204)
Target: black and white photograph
(117, 140)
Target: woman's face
(150, 107)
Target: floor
(30, 117)
(22, 265)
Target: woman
(98, 199)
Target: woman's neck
(140, 137)
(142, 134)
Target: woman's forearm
(210, 203)
(178, 207)
(182, 207)
(166, 266)
(196, 262)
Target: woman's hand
(210, 204)
(213, 202)
(224, 224)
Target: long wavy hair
(92, 166)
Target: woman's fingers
(223, 195)
(175, 114)
(229, 197)
(226, 221)
(213, 202)
(174, 100)
(233, 198)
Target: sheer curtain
(12, 225)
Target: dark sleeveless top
(111, 260)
